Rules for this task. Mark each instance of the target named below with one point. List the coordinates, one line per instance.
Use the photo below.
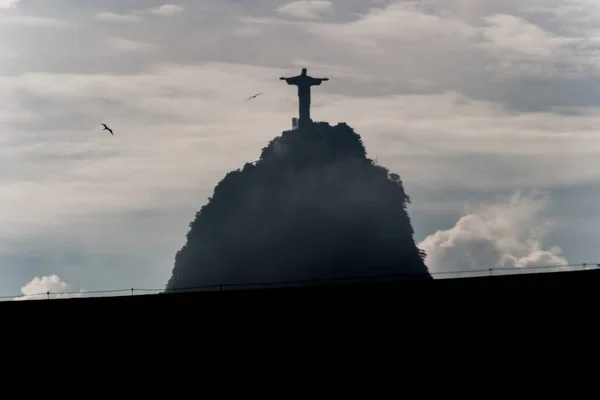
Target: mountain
(312, 207)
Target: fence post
(48, 294)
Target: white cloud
(505, 234)
(510, 34)
(9, 3)
(38, 289)
(136, 16)
(167, 9)
(310, 9)
(113, 17)
(130, 45)
(32, 21)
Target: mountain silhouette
(312, 207)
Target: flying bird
(253, 97)
(106, 128)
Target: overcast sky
(488, 110)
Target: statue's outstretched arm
(317, 81)
(290, 81)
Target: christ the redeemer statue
(304, 82)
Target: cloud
(38, 288)
(486, 43)
(310, 9)
(507, 233)
(9, 3)
(136, 16)
(379, 24)
(33, 21)
(173, 132)
(6, 53)
(247, 31)
(113, 17)
(130, 45)
(481, 96)
(508, 34)
(167, 9)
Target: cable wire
(314, 281)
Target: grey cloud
(537, 95)
(491, 68)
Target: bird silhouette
(253, 97)
(106, 128)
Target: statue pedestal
(304, 123)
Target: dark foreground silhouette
(384, 294)
(313, 206)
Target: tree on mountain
(313, 206)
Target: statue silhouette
(304, 82)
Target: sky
(488, 110)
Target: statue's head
(303, 71)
